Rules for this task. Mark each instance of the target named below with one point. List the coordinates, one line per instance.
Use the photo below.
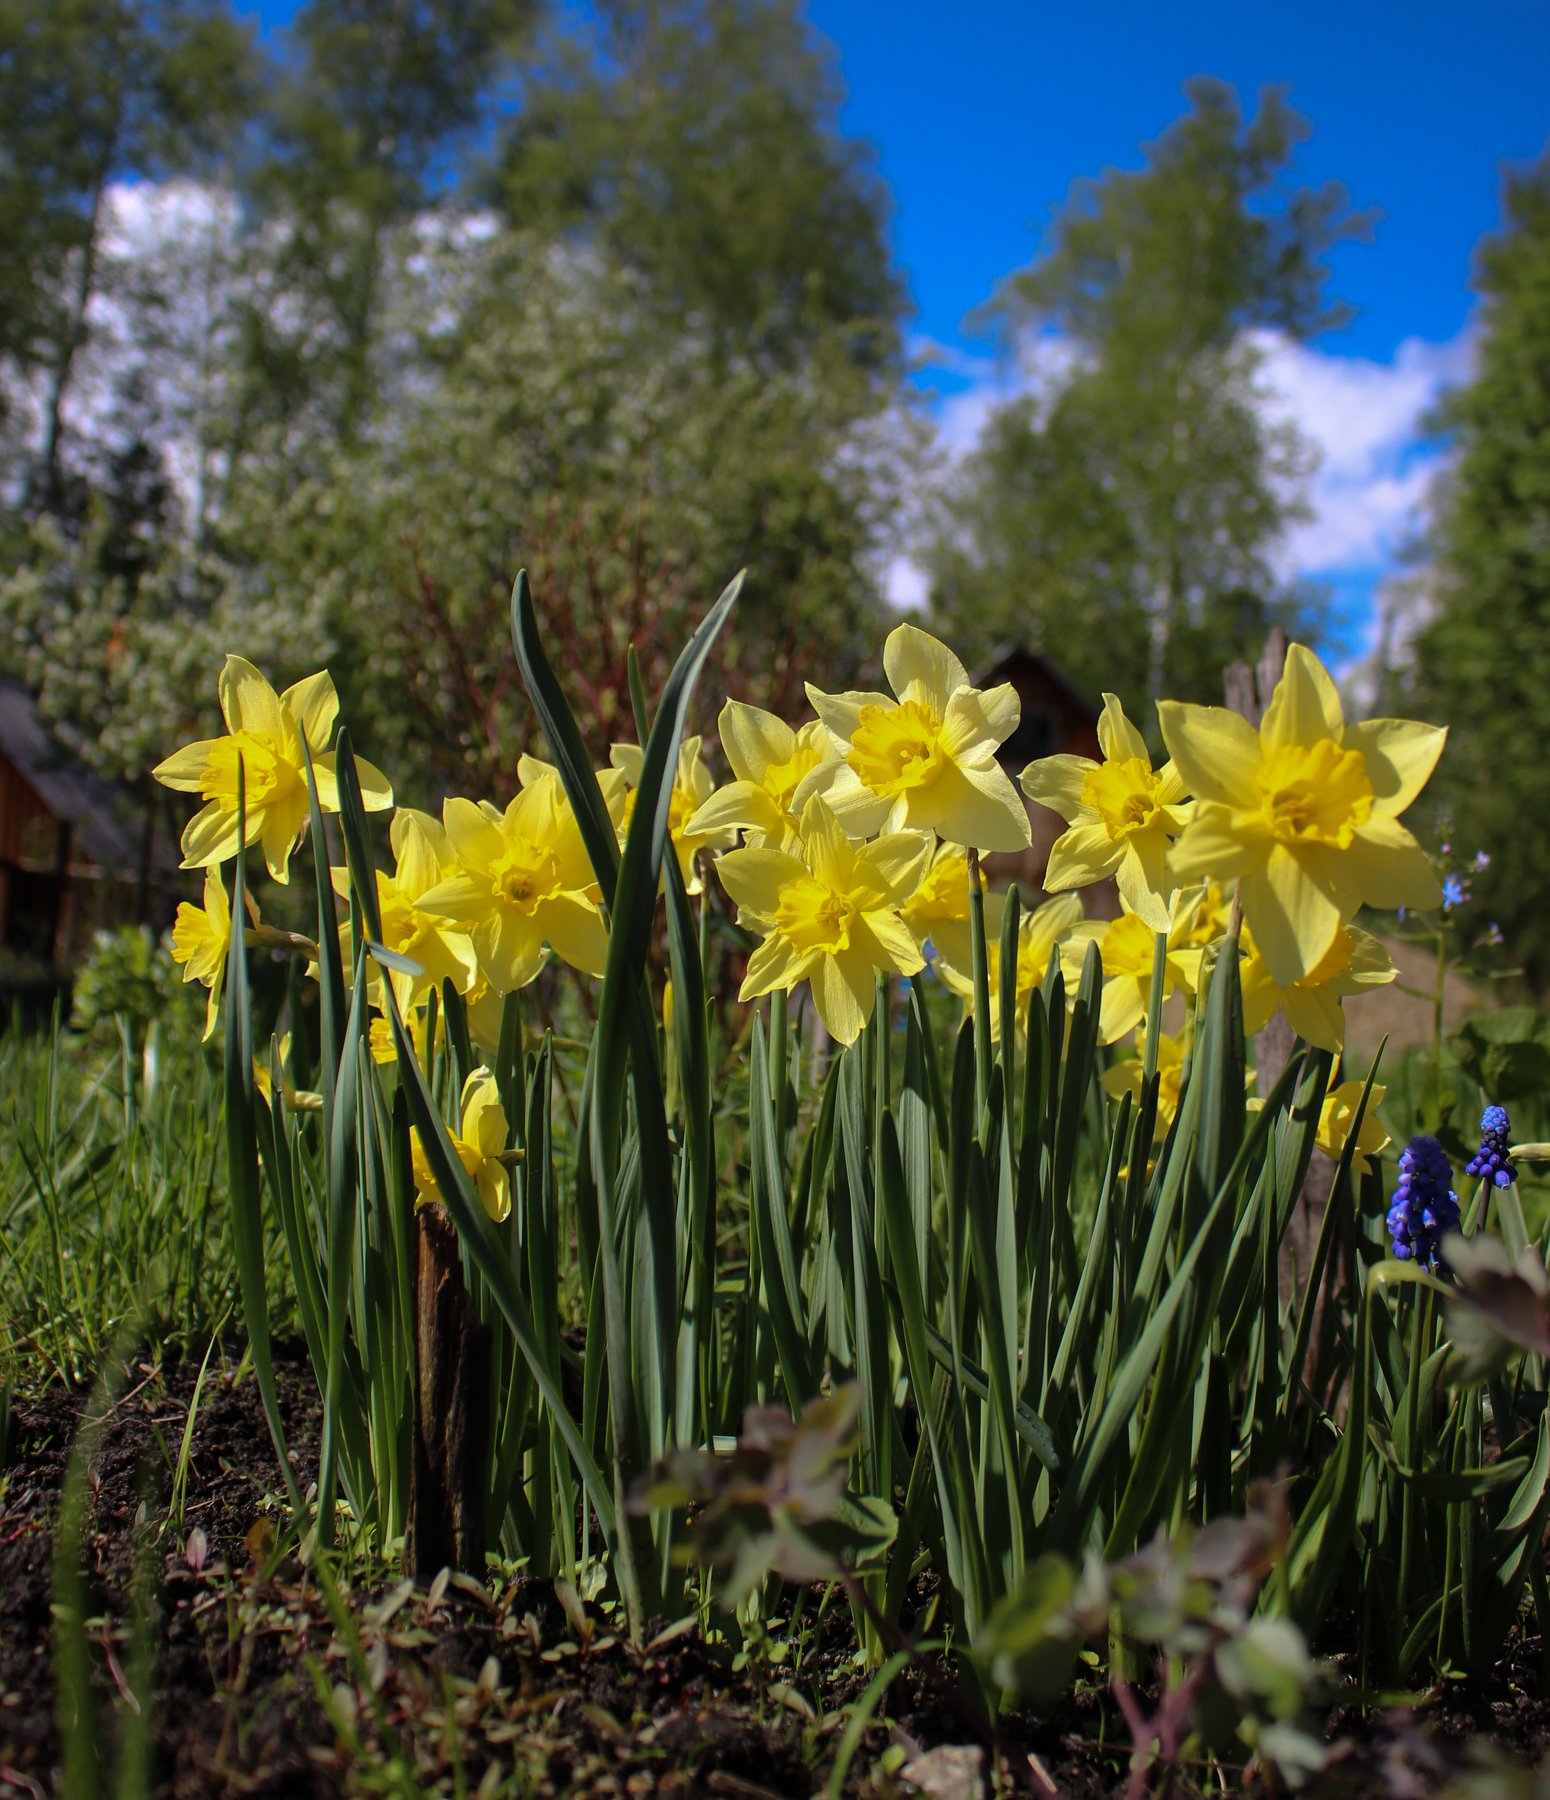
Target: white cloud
(1363, 417)
(904, 583)
(1375, 465)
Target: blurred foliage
(698, 142)
(129, 975)
(370, 343)
(1480, 660)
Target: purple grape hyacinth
(1425, 1207)
(1492, 1161)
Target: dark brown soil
(260, 1688)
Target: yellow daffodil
(1040, 934)
(201, 941)
(693, 785)
(479, 1142)
(1124, 1077)
(830, 915)
(523, 881)
(615, 789)
(1303, 812)
(1122, 814)
(384, 1050)
(1335, 1117)
(768, 759)
(1354, 961)
(424, 859)
(926, 760)
(938, 911)
(1128, 946)
(265, 730)
(1210, 919)
(486, 1014)
(297, 1099)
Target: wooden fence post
(450, 1461)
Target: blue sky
(983, 114)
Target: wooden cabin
(1057, 719)
(69, 861)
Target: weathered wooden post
(450, 1461)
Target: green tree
(375, 106)
(698, 141)
(556, 426)
(1480, 661)
(1123, 515)
(92, 92)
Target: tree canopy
(1480, 661)
(1123, 514)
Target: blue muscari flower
(1425, 1208)
(1491, 1161)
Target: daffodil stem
(981, 958)
(1421, 1323)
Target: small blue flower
(1424, 1208)
(1454, 893)
(1491, 1162)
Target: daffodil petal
(900, 861)
(977, 720)
(739, 806)
(1142, 877)
(494, 1185)
(1217, 844)
(1216, 752)
(314, 705)
(184, 770)
(844, 991)
(460, 896)
(1121, 1009)
(755, 876)
(861, 812)
(1078, 857)
(212, 836)
(376, 789)
(1383, 866)
(248, 702)
(775, 965)
(921, 667)
(1315, 1015)
(841, 713)
(1117, 737)
(575, 930)
(1058, 782)
(421, 847)
(754, 740)
(1400, 756)
(511, 949)
(629, 760)
(978, 807)
(1305, 705)
(475, 838)
(280, 835)
(892, 941)
(1292, 912)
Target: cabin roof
(71, 792)
(1004, 660)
